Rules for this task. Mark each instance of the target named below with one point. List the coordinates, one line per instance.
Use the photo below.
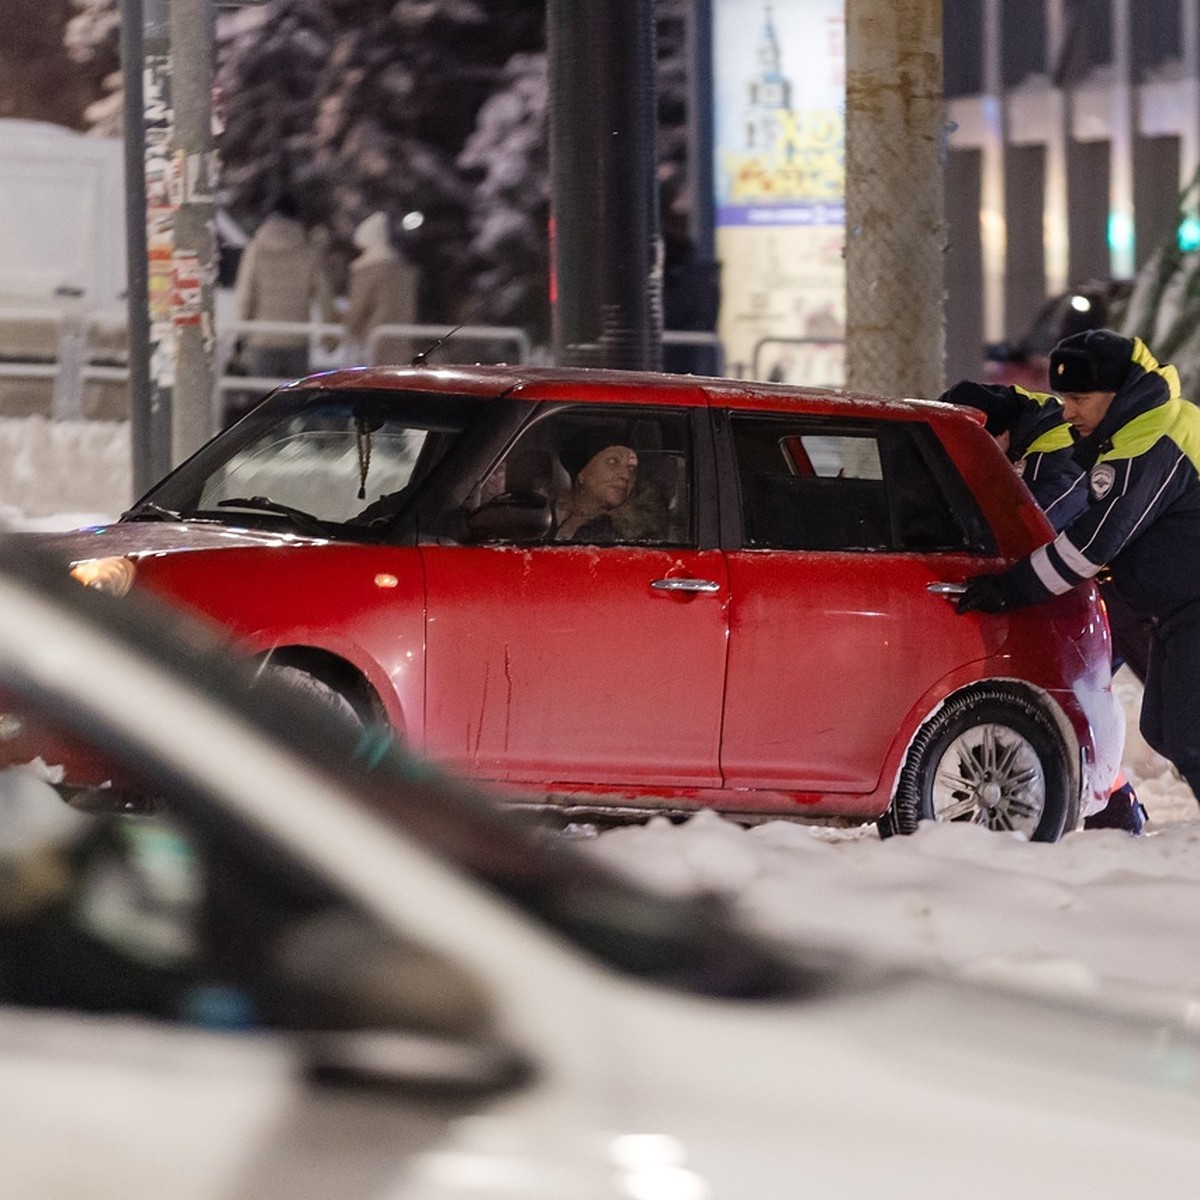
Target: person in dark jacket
(1139, 443)
(1032, 431)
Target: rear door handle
(946, 589)
(685, 585)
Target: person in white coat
(382, 291)
(281, 277)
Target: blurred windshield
(689, 943)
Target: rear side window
(813, 484)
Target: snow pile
(1100, 914)
(63, 474)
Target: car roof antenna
(419, 359)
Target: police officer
(1030, 429)
(1139, 444)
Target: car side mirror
(511, 517)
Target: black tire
(325, 694)
(992, 756)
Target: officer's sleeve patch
(1102, 478)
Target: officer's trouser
(1171, 702)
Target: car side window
(610, 476)
(811, 484)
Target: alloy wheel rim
(990, 775)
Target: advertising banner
(779, 178)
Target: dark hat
(1097, 360)
(581, 447)
(998, 402)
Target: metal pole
(895, 219)
(159, 199)
(135, 243)
(606, 255)
(193, 259)
(700, 127)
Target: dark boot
(1123, 811)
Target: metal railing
(79, 357)
(818, 343)
(329, 348)
(77, 360)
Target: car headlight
(112, 575)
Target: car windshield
(324, 462)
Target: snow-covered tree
(270, 86)
(363, 105)
(38, 81)
(1164, 308)
(92, 40)
(507, 159)
(429, 107)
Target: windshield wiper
(149, 511)
(299, 518)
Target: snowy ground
(1100, 913)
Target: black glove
(987, 594)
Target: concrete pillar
(1025, 260)
(1056, 210)
(895, 223)
(993, 225)
(1189, 142)
(964, 271)
(1120, 224)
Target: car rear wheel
(991, 756)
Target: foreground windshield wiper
(149, 511)
(299, 518)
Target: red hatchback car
(757, 616)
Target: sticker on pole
(186, 290)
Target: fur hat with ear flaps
(1097, 360)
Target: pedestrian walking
(1138, 442)
(383, 291)
(281, 277)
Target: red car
(760, 621)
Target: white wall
(61, 216)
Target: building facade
(1073, 127)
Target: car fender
(994, 670)
(268, 599)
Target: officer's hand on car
(987, 594)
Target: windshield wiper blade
(299, 518)
(149, 511)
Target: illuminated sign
(779, 186)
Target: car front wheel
(320, 691)
(991, 756)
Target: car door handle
(685, 585)
(946, 589)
